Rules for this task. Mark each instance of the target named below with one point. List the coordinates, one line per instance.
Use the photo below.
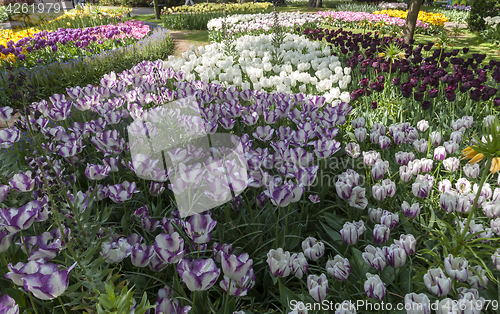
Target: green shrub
(481, 9)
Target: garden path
(181, 44)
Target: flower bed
(88, 16)
(67, 44)
(369, 21)
(55, 77)
(492, 31)
(306, 67)
(197, 16)
(393, 5)
(245, 24)
(436, 19)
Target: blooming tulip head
(374, 287)
(456, 267)
(318, 287)
(437, 283)
(198, 275)
(48, 282)
(313, 249)
(339, 268)
(278, 262)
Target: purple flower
(374, 287)
(440, 153)
(6, 113)
(410, 212)
(313, 249)
(165, 303)
(198, 228)
(360, 134)
(169, 248)
(389, 219)
(9, 136)
(298, 265)
(141, 254)
(437, 283)
(381, 234)
(284, 194)
(198, 275)
(456, 268)
(5, 240)
(370, 157)
(479, 281)
(8, 305)
(22, 182)
(421, 187)
(379, 192)
(97, 172)
(4, 192)
(115, 252)
(451, 164)
(47, 282)
(318, 287)
(239, 287)
(496, 259)
(379, 169)
(16, 219)
(472, 171)
(351, 232)
(395, 255)
(339, 268)
(314, 199)
(279, 262)
(235, 267)
(122, 192)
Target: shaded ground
(184, 39)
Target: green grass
(144, 18)
(196, 36)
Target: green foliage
(480, 10)
(4, 15)
(191, 21)
(112, 303)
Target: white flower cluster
(263, 21)
(308, 67)
(393, 5)
(492, 20)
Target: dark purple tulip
(475, 94)
(381, 79)
(450, 96)
(426, 105)
(418, 96)
(396, 81)
(433, 93)
(374, 105)
(496, 102)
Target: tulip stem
(473, 209)
(62, 304)
(194, 299)
(227, 296)
(281, 296)
(32, 303)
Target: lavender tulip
(298, 265)
(417, 303)
(235, 267)
(313, 249)
(122, 192)
(437, 283)
(339, 268)
(198, 275)
(278, 262)
(22, 182)
(374, 287)
(48, 282)
(318, 287)
(169, 247)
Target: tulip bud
(449, 201)
(407, 242)
(417, 303)
(375, 214)
(339, 268)
(472, 171)
(496, 259)
(440, 153)
(477, 281)
(402, 158)
(389, 219)
(395, 255)
(298, 265)
(360, 134)
(436, 138)
(379, 169)
(420, 145)
(379, 192)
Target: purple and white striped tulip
(9, 136)
(389, 219)
(444, 186)
(313, 249)
(379, 169)
(199, 227)
(48, 282)
(407, 242)
(339, 268)
(371, 157)
(5, 240)
(141, 254)
(381, 234)
(451, 164)
(472, 171)
(97, 172)
(456, 267)
(4, 192)
(318, 287)
(422, 125)
(22, 182)
(475, 281)
(298, 265)
(417, 303)
(198, 275)
(8, 305)
(16, 219)
(395, 255)
(374, 214)
(496, 259)
(235, 267)
(421, 187)
(440, 153)
(403, 158)
(6, 113)
(374, 287)
(437, 283)
(279, 262)
(122, 192)
(353, 150)
(240, 287)
(410, 212)
(165, 303)
(169, 247)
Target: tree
(157, 9)
(411, 20)
(315, 3)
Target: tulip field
(302, 162)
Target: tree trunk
(411, 20)
(157, 9)
(315, 3)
